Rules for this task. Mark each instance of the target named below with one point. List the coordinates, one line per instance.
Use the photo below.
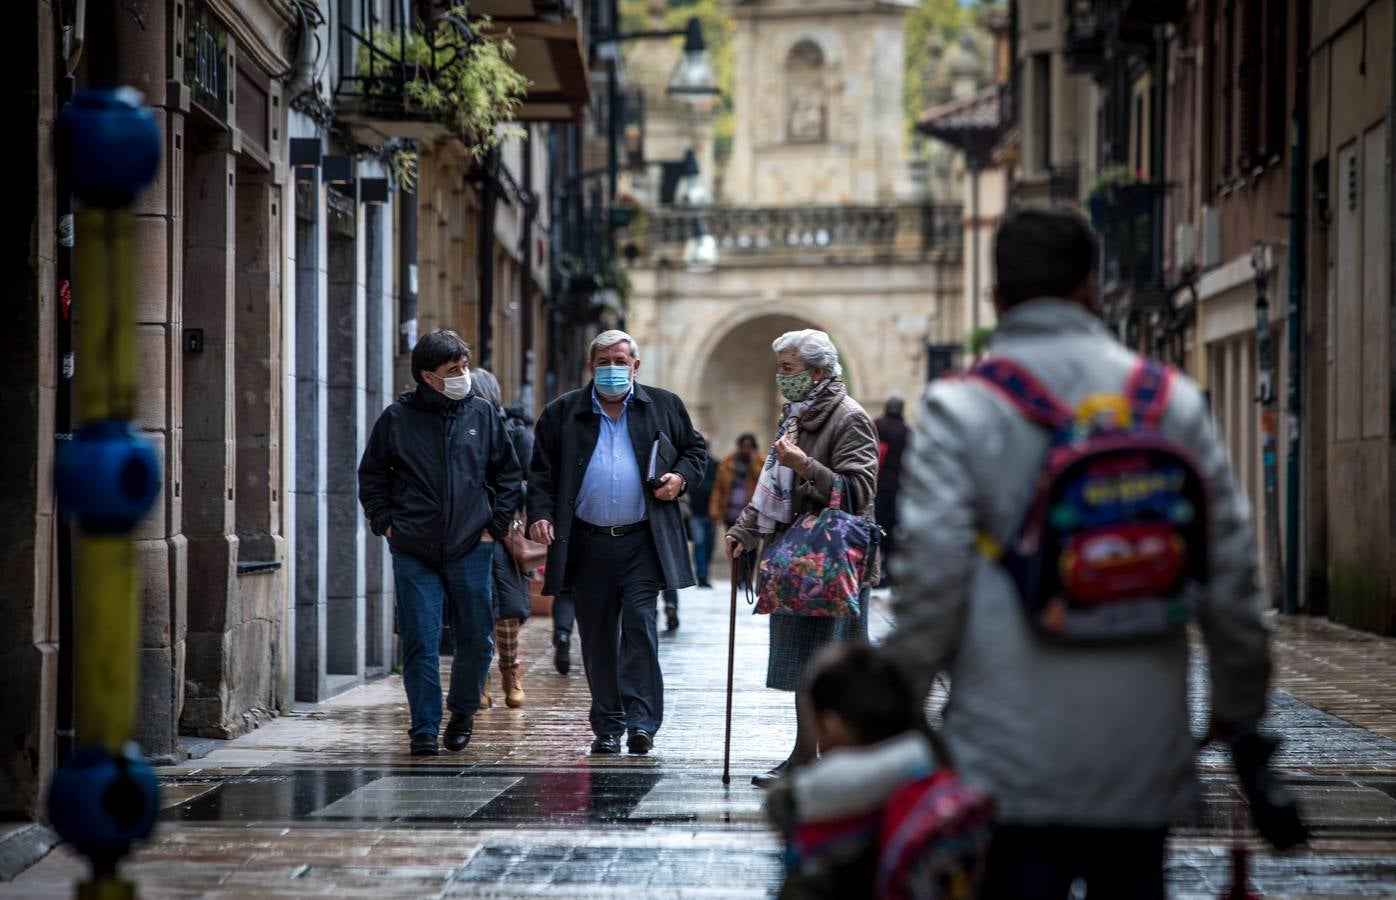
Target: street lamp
(700, 250)
(693, 79)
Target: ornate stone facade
(816, 228)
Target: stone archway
(736, 390)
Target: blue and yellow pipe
(105, 797)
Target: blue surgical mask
(612, 381)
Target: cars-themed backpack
(1113, 545)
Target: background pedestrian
(892, 439)
(512, 603)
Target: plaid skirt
(795, 640)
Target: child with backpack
(878, 814)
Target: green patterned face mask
(795, 388)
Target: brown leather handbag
(528, 555)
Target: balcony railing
(755, 232)
(376, 66)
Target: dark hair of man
(747, 438)
(863, 687)
(435, 349)
(1041, 253)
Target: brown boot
(513, 686)
(486, 701)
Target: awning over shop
(550, 54)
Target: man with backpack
(1067, 509)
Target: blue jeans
(704, 533)
(422, 591)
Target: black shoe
(424, 745)
(606, 744)
(562, 658)
(767, 779)
(641, 742)
(671, 618)
(458, 732)
(706, 585)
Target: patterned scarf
(775, 489)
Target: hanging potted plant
(1107, 191)
(452, 71)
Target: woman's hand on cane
(734, 548)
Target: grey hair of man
(484, 385)
(608, 339)
(813, 347)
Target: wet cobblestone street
(326, 801)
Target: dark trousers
(1040, 863)
(616, 581)
(704, 534)
(885, 511)
(564, 617)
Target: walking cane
(731, 661)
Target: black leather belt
(609, 530)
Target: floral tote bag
(816, 567)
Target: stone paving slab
(327, 802)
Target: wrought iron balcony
(803, 231)
(1129, 219)
(377, 64)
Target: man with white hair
(615, 537)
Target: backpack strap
(1147, 391)
(1022, 389)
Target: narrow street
(326, 801)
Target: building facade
(286, 261)
(816, 226)
(1210, 141)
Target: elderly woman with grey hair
(823, 432)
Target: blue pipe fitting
(107, 477)
(112, 145)
(102, 804)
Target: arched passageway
(736, 388)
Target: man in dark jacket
(440, 481)
(615, 541)
(892, 439)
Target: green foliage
(470, 86)
(1113, 177)
(943, 19)
(979, 339)
(717, 31)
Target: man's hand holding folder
(659, 474)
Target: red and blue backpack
(1113, 546)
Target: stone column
(346, 396)
(308, 480)
(379, 342)
(210, 438)
(161, 546)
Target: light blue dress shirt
(612, 492)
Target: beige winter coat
(1063, 735)
(838, 436)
